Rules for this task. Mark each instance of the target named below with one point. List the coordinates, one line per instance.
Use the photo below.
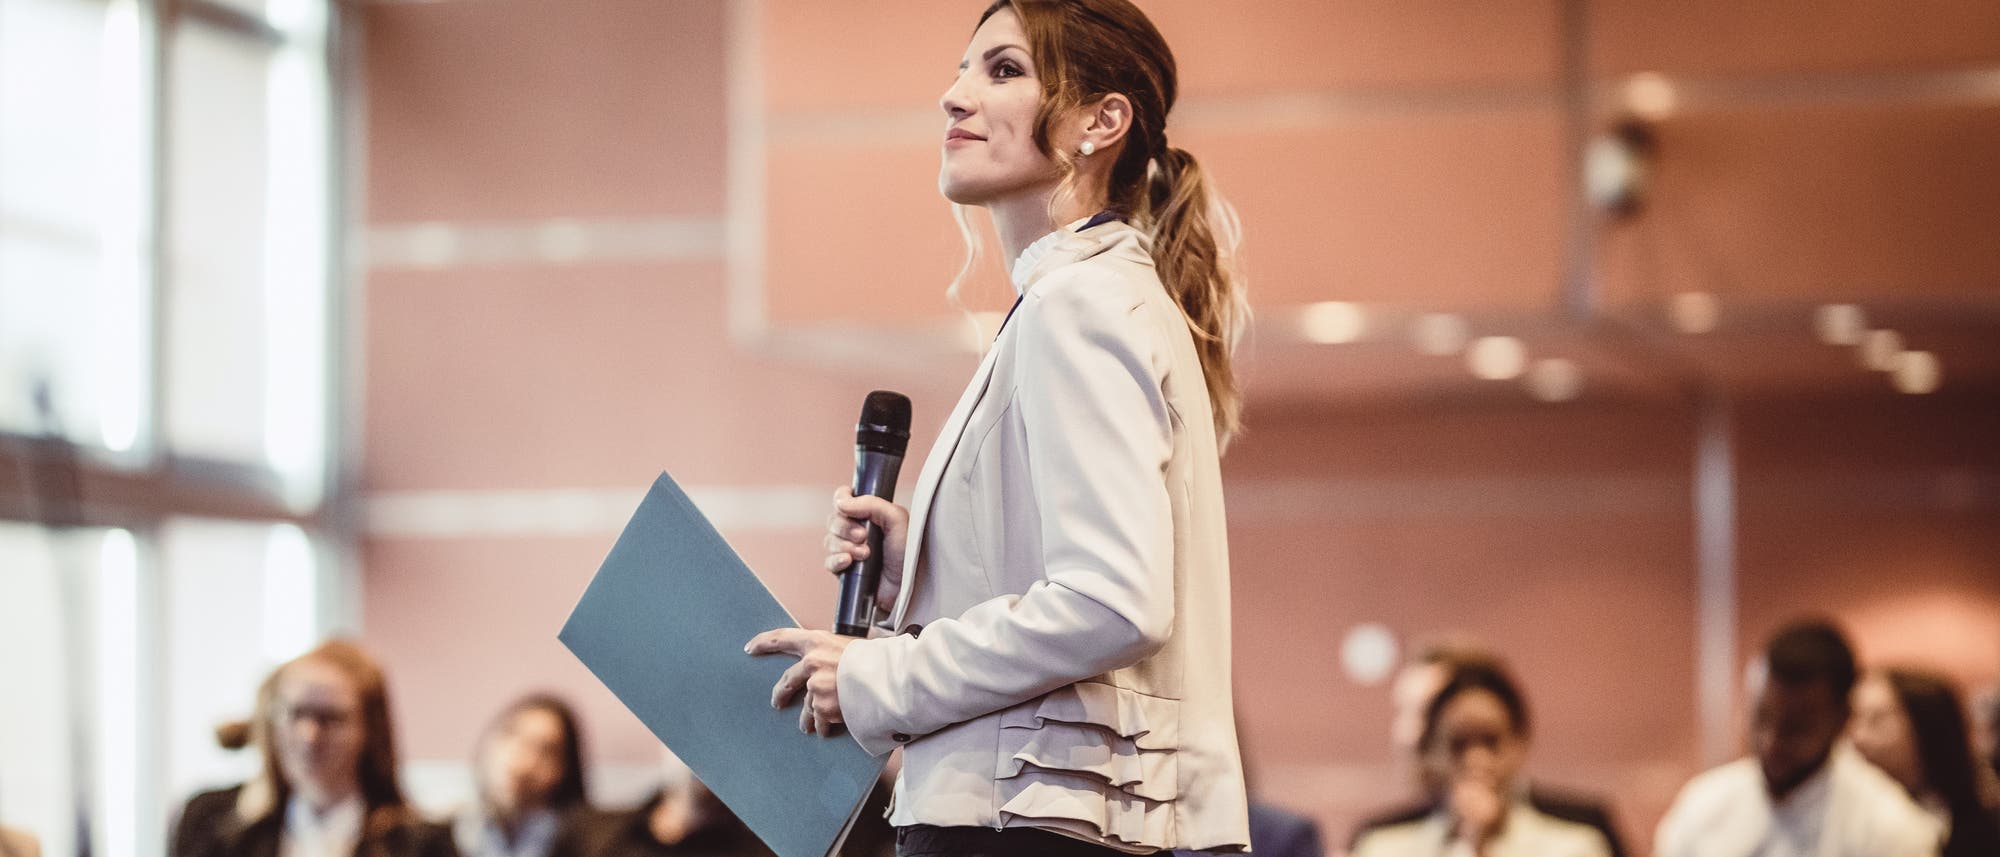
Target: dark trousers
(923, 840)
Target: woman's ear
(1107, 122)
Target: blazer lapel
(925, 492)
(1075, 247)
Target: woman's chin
(961, 192)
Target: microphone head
(885, 423)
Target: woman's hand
(847, 539)
(817, 673)
(1480, 809)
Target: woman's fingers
(790, 640)
(789, 684)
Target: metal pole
(1715, 574)
(1578, 299)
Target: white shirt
(1527, 834)
(479, 835)
(1024, 264)
(333, 833)
(1848, 809)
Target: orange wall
(1561, 534)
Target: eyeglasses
(323, 716)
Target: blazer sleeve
(1099, 433)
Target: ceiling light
(1332, 322)
(1555, 379)
(1916, 372)
(1439, 334)
(1840, 324)
(1497, 358)
(1880, 348)
(1650, 96)
(1694, 312)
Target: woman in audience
(1912, 725)
(1475, 735)
(529, 770)
(327, 786)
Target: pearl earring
(1087, 148)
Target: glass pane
(73, 290)
(36, 728)
(240, 599)
(217, 156)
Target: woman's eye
(1006, 69)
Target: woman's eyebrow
(991, 52)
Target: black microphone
(879, 443)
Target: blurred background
(1612, 333)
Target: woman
(1064, 555)
(529, 769)
(327, 786)
(1475, 741)
(1911, 724)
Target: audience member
(327, 786)
(1803, 793)
(528, 768)
(1911, 724)
(1475, 740)
(682, 819)
(1411, 694)
(1274, 831)
(1279, 832)
(1989, 731)
(197, 831)
(18, 843)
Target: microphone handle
(874, 475)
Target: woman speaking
(1060, 683)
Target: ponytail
(1194, 235)
(1087, 49)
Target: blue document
(663, 626)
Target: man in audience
(1432, 667)
(1274, 830)
(683, 819)
(1803, 792)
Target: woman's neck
(321, 797)
(1021, 220)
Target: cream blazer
(1064, 656)
(1527, 834)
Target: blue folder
(663, 626)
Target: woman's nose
(954, 101)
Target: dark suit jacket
(1277, 832)
(1568, 806)
(629, 833)
(209, 827)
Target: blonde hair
(1085, 50)
(381, 791)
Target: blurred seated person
(528, 770)
(327, 786)
(1475, 739)
(1411, 694)
(1274, 831)
(1277, 832)
(1911, 724)
(682, 819)
(194, 833)
(1989, 731)
(15, 842)
(1802, 792)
